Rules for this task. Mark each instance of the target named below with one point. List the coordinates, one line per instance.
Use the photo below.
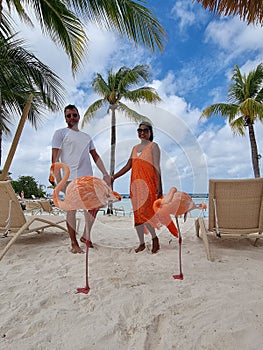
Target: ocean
(126, 207)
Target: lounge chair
(46, 207)
(13, 220)
(119, 210)
(235, 211)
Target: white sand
(134, 303)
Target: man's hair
(71, 107)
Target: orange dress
(143, 186)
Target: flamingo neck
(61, 183)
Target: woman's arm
(125, 169)
(156, 163)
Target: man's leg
(90, 216)
(71, 225)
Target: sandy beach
(134, 302)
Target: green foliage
(29, 185)
(246, 107)
(121, 85)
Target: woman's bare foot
(76, 249)
(140, 248)
(83, 240)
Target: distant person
(146, 184)
(74, 147)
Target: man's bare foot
(140, 248)
(76, 250)
(83, 240)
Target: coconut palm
(61, 20)
(56, 20)
(22, 75)
(246, 107)
(118, 86)
(247, 10)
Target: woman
(146, 185)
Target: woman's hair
(150, 128)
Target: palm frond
(237, 126)
(22, 74)
(100, 86)
(128, 17)
(144, 94)
(92, 110)
(249, 11)
(220, 109)
(64, 28)
(252, 109)
(132, 114)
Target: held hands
(108, 179)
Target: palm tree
(61, 20)
(246, 107)
(21, 76)
(247, 10)
(117, 87)
(55, 19)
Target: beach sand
(134, 302)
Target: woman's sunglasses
(143, 130)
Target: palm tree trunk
(13, 147)
(1, 126)
(1, 139)
(254, 150)
(113, 149)
(113, 139)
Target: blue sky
(193, 72)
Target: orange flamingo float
(86, 192)
(176, 203)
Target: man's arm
(55, 158)
(98, 161)
(55, 155)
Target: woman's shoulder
(154, 144)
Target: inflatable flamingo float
(175, 203)
(86, 192)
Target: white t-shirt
(74, 151)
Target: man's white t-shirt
(74, 151)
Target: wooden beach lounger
(46, 207)
(235, 211)
(13, 220)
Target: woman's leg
(140, 233)
(155, 240)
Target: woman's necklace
(142, 145)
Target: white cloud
(234, 36)
(187, 15)
(192, 150)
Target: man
(74, 147)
